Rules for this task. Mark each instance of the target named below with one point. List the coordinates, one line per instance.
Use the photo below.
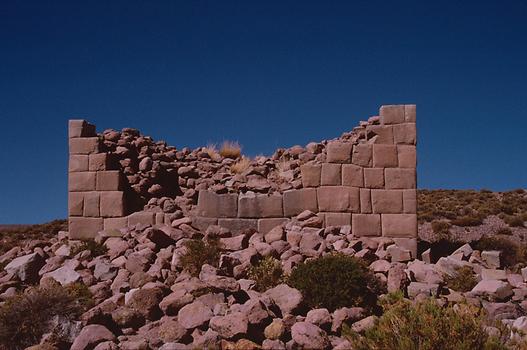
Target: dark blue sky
(265, 73)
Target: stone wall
(367, 181)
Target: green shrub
(463, 280)
(467, 221)
(25, 317)
(514, 221)
(200, 252)
(512, 253)
(267, 273)
(426, 326)
(95, 249)
(335, 281)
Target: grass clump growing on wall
(335, 281)
(230, 149)
(267, 273)
(95, 248)
(200, 252)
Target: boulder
(287, 298)
(90, 336)
(309, 336)
(194, 315)
(229, 326)
(64, 275)
(495, 289)
(26, 267)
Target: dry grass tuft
(241, 165)
(212, 150)
(230, 149)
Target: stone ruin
(365, 179)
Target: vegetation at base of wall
(463, 280)
(200, 252)
(95, 248)
(15, 236)
(25, 317)
(267, 273)
(514, 221)
(241, 165)
(441, 228)
(426, 325)
(512, 253)
(230, 149)
(335, 281)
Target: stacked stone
(95, 188)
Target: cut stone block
(400, 178)
(405, 133)
(84, 145)
(112, 204)
(91, 204)
(80, 128)
(201, 223)
(82, 181)
(78, 162)
(338, 199)
(141, 217)
(215, 205)
(251, 205)
(159, 219)
(239, 226)
(296, 201)
(115, 223)
(339, 152)
(75, 203)
(380, 133)
(365, 201)
(387, 201)
(409, 113)
(374, 177)
(385, 156)
(84, 228)
(410, 201)
(98, 161)
(362, 155)
(352, 175)
(337, 219)
(408, 244)
(392, 114)
(366, 224)
(399, 225)
(407, 156)
(330, 174)
(310, 175)
(266, 225)
(109, 180)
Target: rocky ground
(145, 299)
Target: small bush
(95, 249)
(199, 253)
(467, 221)
(211, 150)
(267, 274)
(505, 231)
(441, 228)
(514, 221)
(241, 165)
(335, 281)
(426, 326)
(230, 149)
(24, 318)
(512, 253)
(463, 280)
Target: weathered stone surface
(405, 133)
(352, 175)
(229, 326)
(110, 180)
(194, 315)
(406, 154)
(366, 224)
(112, 204)
(386, 201)
(252, 205)
(80, 128)
(309, 336)
(385, 156)
(266, 225)
(339, 152)
(238, 226)
(399, 225)
(115, 223)
(337, 219)
(78, 163)
(319, 317)
(141, 217)
(392, 114)
(416, 288)
(81, 181)
(380, 134)
(26, 267)
(296, 201)
(397, 178)
(98, 162)
(275, 329)
(84, 145)
(362, 155)
(331, 174)
(84, 228)
(91, 204)
(496, 289)
(311, 174)
(75, 203)
(90, 336)
(211, 204)
(374, 177)
(64, 275)
(409, 113)
(287, 298)
(410, 201)
(365, 201)
(338, 198)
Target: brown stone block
(362, 155)
(408, 244)
(141, 217)
(91, 204)
(84, 228)
(374, 177)
(80, 128)
(352, 175)
(75, 203)
(407, 156)
(81, 181)
(399, 225)
(365, 201)
(201, 223)
(366, 224)
(115, 223)
(252, 205)
(112, 204)
(109, 180)
(409, 113)
(385, 156)
(239, 226)
(338, 199)
(98, 161)
(330, 174)
(310, 174)
(382, 134)
(410, 201)
(337, 219)
(159, 218)
(78, 162)
(84, 145)
(266, 225)
(392, 114)
(405, 133)
(400, 178)
(215, 205)
(387, 201)
(338, 152)
(296, 201)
